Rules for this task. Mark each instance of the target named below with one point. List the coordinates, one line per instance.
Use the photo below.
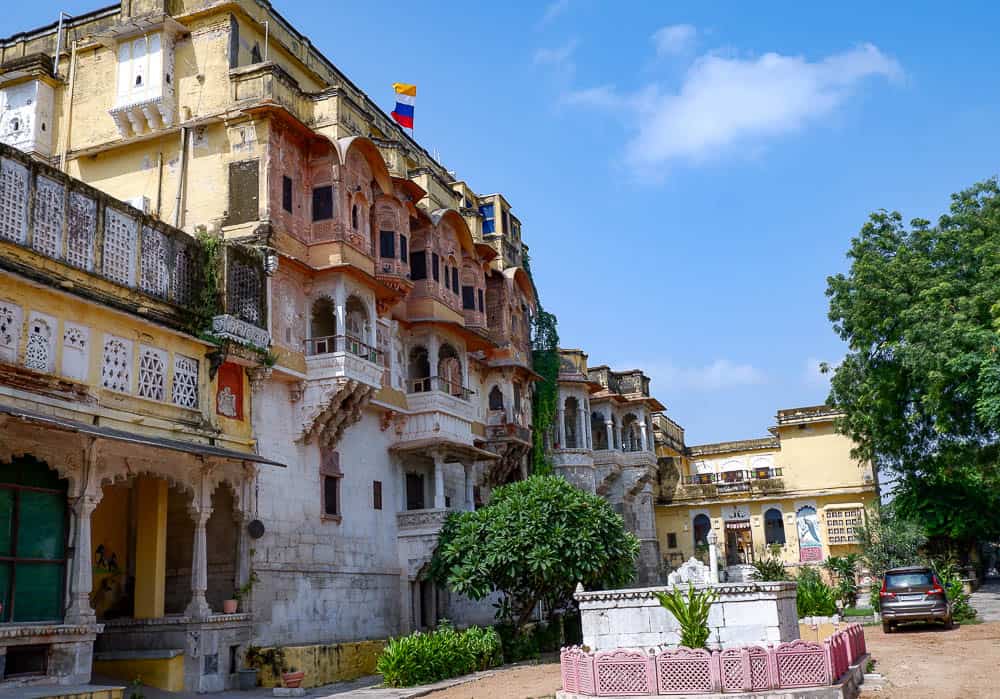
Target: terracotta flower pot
(292, 679)
(229, 606)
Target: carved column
(618, 438)
(470, 480)
(561, 414)
(713, 558)
(439, 501)
(609, 428)
(198, 607)
(340, 309)
(80, 611)
(433, 350)
(642, 435)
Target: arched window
(358, 326)
(774, 527)
(450, 370)
(322, 326)
(355, 217)
(702, 526)
(496, 398)
(517, 402)
(598, 432)
(33, 500)
(419, 372)
(571, 416)
(630, 433)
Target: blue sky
(687, 173)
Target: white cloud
(716, 375)
(553, 10)
(674, 39)
(558, 59)
(725, 102)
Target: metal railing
(343, 343)
(732, 477)
(428, 384)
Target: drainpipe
(59, 39)
(67, 129)
(267, 34)
(181, 176)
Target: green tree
(920, 385)
(533, 543)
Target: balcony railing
(438, 383)
(727, 482)
(758, 474)
(343, 343)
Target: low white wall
(746, 613)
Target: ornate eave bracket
(330, 406)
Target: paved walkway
(986, 600)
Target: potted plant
(229, 606)
(252, 660)
(293, 677)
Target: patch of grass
(858, 611)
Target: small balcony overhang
(451, 450)
(138, 118)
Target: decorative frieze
(231, 328)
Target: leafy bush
(813, 597)
(770, 569)
(691, 613)
(844, 569)
(422, 658)
(951, 579)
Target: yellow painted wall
(815, 457)
(109, 529)
(324, 664)
(150, 546)
(162, 673)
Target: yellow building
(798, 494)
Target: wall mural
(810, 544)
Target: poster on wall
(810, 545)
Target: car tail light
(884, 593)
(936, 590)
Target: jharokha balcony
(758, 481)
(438, 384)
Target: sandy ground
(522, 682)
(924, 662)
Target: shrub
(691, 613)
(951, 579)
(422, 658)
(843, 569)
(813, 597)
(770, 569)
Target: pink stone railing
(621, 672)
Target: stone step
(81, 691)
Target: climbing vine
(545, 362)
(205, 302)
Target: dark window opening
(435, 270)
(234, 42)
(354, 217)
(671, 540)
(322, 208)
(286, 193)
(481, 304)
(24, 661)
(404, 253)
(377, 494)
(454, 279)
(255, 56)
(468, 298)
(414, 491)
(418, 265)
(331, 493)
(447, 278)
(387, 243)
(496, 398)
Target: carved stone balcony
(417, 536)
(421, 521)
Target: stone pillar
(582, 428)
(439, 501)
(415, 605)
(713, 558)
(433, 350)
(618, 436)
(340, 309)
(470, 482)
(643, 444)
(82, 582)
(609, 428)
(150, 547)
(198, 607)
(561, 413)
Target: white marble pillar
(81, 584)
(470, 482)
(713, 557)
(198, 607)
(433, 352)
(439, 501)
(581, 430)
(618, 437)
(643, 444)
(340, 310)
(561, 413)
(609, 428)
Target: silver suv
(913, 593)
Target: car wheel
(886, 627)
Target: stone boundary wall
(326, 664)
(746, 613)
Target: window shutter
(418, 265)
(387, 243)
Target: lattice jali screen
(10, 331)
(800, 664)
(185, 387)
(13, 201)
(744, 669)
(47, 226)
(683, 670)
(244, 292)
(116, 364)
(154, 275)
(624, 673)
(80, 231)
(842, 525)
(152, 372)
(182, 275)
(39, 354)
(118, 254)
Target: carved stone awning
(232, 328)
(329, 406)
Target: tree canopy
(920, 385)
(534, 542)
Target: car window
(901, 581)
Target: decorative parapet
(762, 444)
(422, 520)
(231, 328)
(815, 413)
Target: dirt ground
(522, 682)
(925, 662)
